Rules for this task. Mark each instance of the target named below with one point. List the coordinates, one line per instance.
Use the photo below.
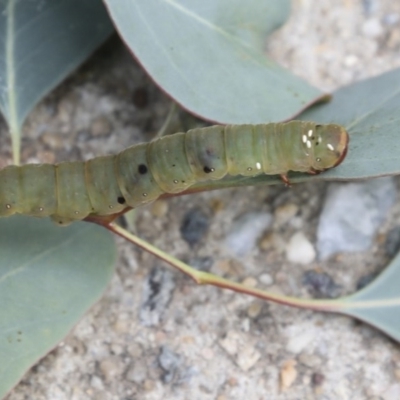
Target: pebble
(317, 379)
(310, 360)
(288, 374)
(157, 293)
(111, 368)
(254, 309)
(100, 126)
(246, 231)
(137, 373)
(159, 208)
(298, 342)
(283, 214)
(300, 250)
(247, 357)
(392, 393)
(194, 226)
(372, 28)
(321, 285)
(250, 282)
(170, 362)
(266, 279)
(352, 214)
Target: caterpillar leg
(285, 180)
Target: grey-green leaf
(41, 42)
(378, 303)
(210, 56)
(49, 277)
(370, 111)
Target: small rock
(372, 28)
(321, 285)
(194, 226)
(96, 382)
(250, 282)
(310, 360)
(111, 368)
(246, 231)
(317, 379)
(236, 346)
(392, 393)
(266, 279)
(170, 362)
(137, 373)
(159, 208)
(100, 126)
(202, 263)
(391, 19)
(351, 215)
(370, 6)
(157, 293)
(300, 250)
(300, 341)
(288, 374)
(254, 309)
(285, 213)
(247, 357)
(230, 343)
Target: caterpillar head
(329, 143)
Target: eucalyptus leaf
(41, 42)
(210, 57)
(378, 303)
(49, 277)
(370, 111)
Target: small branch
(205, 278)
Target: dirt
(155, 334)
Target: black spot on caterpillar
(107, 185)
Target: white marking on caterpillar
(258, 166)
(8, 206)
(249, 169)
(304, 138)
(310, 133)
(175, 181)
(330, 147)
(308, 144)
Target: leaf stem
(205, 278)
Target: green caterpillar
(107, 185)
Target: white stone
(300, 250)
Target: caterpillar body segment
(140, 174)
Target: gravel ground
(155, 334)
